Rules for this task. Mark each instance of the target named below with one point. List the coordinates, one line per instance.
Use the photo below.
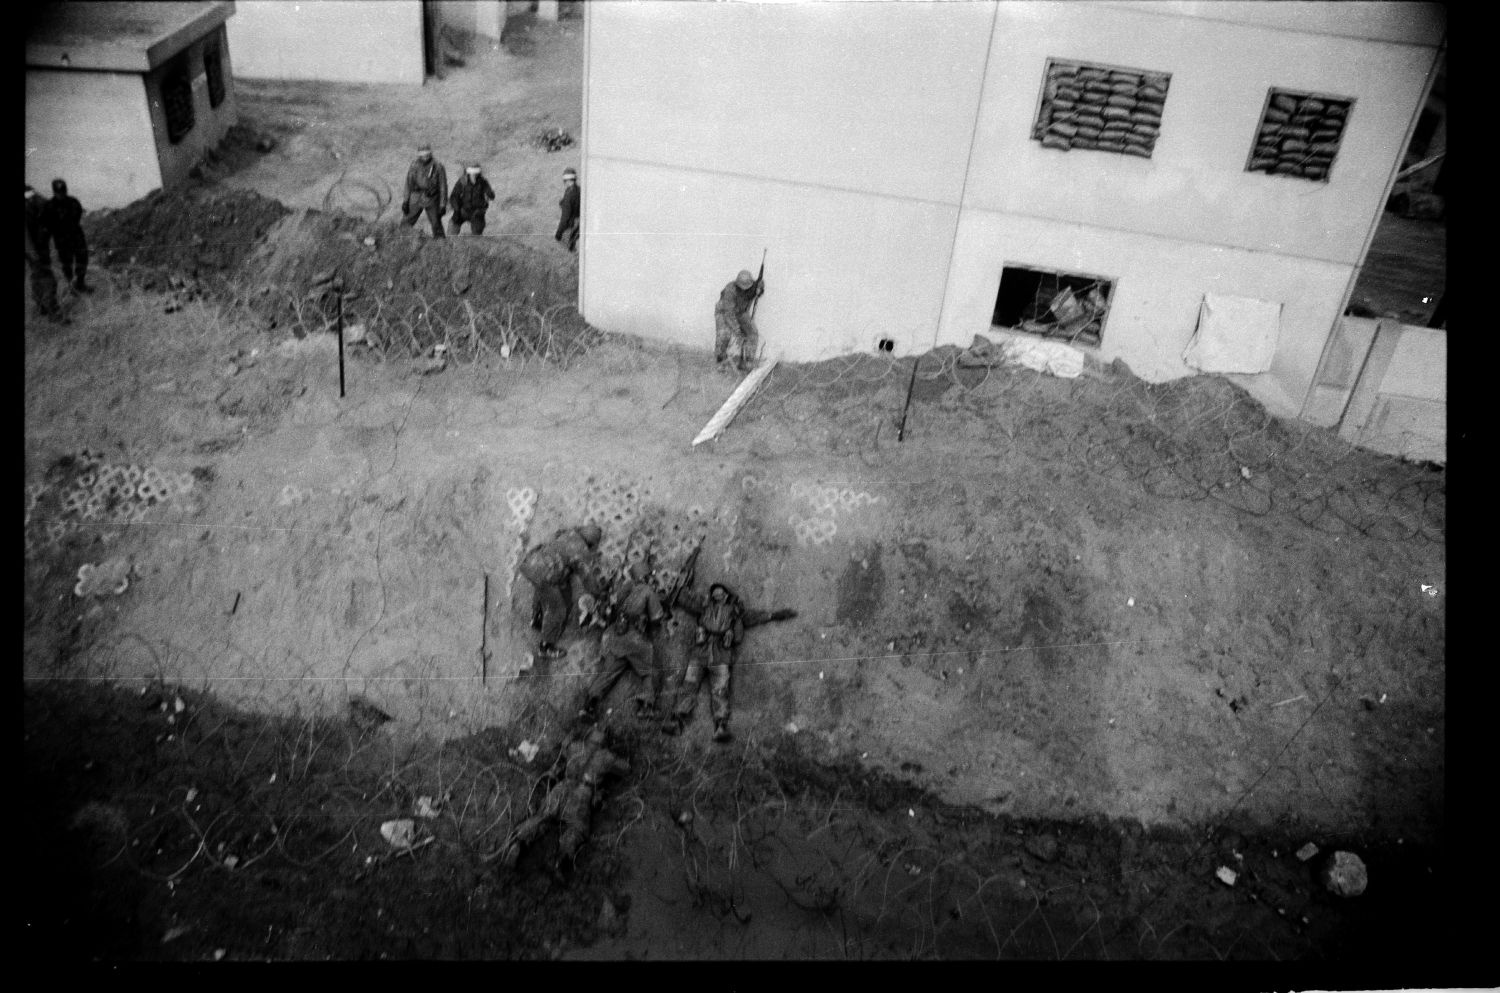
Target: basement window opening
(1100, 108)
(213, 68)
(1065, 305)
(1299, 134)
(177, 101)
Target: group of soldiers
(632, 615)
(57, 222)
(426, 192)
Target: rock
(1306, 852)
(1226, 875)
(265, 144)
(1043, 846)
(1344, 874)
(399, 833)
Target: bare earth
(1119, 616)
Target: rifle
(684, 576)
(760, 280)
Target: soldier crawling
(550, 568)
(572, 799)
(722, 620)
(633, 613)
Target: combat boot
(721, 731)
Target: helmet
(640, 570)
(728, 595)
(59, 187)
(570, 174)
(744, 280)
(474, 169)
(424, 150)
(591, 534)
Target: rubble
(1344, 874)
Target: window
(1299, 134)
(1053, 304)
(213, 68)
(177, 100)
(1100, 108)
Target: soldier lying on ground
(722, 621)
(572, 799)
(550, 568)
(633, 613)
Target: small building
(124, 98)
(1205, 178)
(361, 41)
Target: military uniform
(733, 324)
(39, 255)
(470, 199)
(426, 192)
(550, 568)
(64, 219)
(572, 799)
(721, 628)
(627, 644)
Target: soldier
(722, 621)
(39, 256)
(426, 191)
(572, 799)
(550, 568)
(470, 198)
(636, 612)
(733, 322)
(64, 218)
(567, 226)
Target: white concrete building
(894, 159)
(124, 98)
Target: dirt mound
(409, 292)
(196, 234)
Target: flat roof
(116, 37)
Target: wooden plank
(737, 399)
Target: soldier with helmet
(635, 612)
(734, 322)
(722, 620)
(550, 568)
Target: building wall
(92, 129)
(711, 150)
(210, 124)
(882, 152)
(341, 41)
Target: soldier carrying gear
(64, 218)
(568, 224)
(470, 198)
(572, 799)
(39, 256)
(722, 620)
(426, 191)
(637, 611)
(550, 568)
(734, 324)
